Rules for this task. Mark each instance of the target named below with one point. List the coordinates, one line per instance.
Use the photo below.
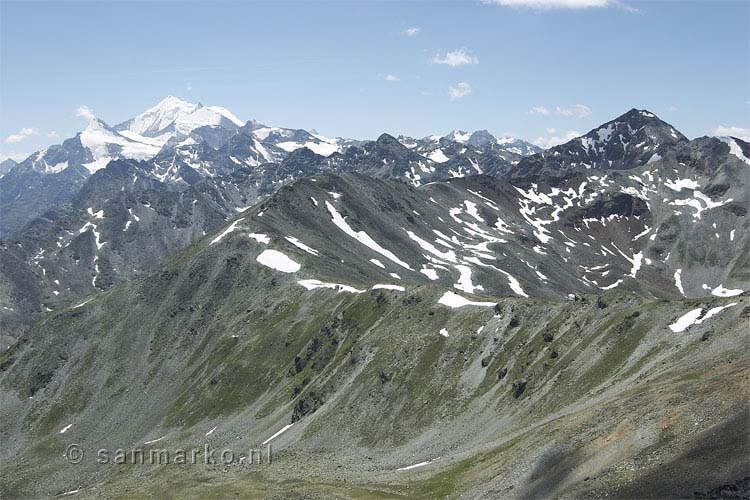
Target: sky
(541, 70)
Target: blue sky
(538, 69)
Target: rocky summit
(458, 316)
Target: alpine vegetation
(194, 304)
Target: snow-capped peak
(205, 116)
(174, 115)
(226, 114)
(458, 136)
(96, 124)
(154, 121)
(105, 144)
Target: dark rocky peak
(304, 155)
(385, 147)
(481, 138)
(408, 141)
(118, 176)
(213, 135)
(387, 140)
(252, 125)
(631, 140)
(630, 135)
(303, 162)
(452, 148)
(650, 125)
(7, 166)
(182, 148)
(54, 158)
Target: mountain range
(408, 318)
(184, 142)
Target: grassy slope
(367, 376)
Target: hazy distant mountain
(175, 117)
(186, 142)
(432, 146)
(33, 186)
(6, 166)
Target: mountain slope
(637, 229)
(174, 117)
(187, 142)
(119, 226)
(631, 140)
(462, 153)
(36, 184)
(7, 165)
(480, 139)
(261, 327)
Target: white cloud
(51, 134)
(17, 157)
(21, 135)
(541, 5)
(738, 132)
(553, 140)
(392, 78)
(539, 110)
(577, 110)
(553, 4)
(672, 109)
(456, 58)
(462, 89)
(551, 131)
(412, 31)
(85, 112)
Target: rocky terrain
(569, 324)
(185, 142)
(82, 216)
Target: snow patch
(420, 464)
(279, 433)
(278, 261)
(363, 237)
(294, 241)
(389, 287)
(260, 238)
(678, 281)
(720, 291)
(680, 184)
(735, 149)
(228, 230)
(686, 320)
(454, 300)
(313, 284)
(430, 273)
(464, 280)
(693, 317)
(438, 156)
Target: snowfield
(278, 261)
